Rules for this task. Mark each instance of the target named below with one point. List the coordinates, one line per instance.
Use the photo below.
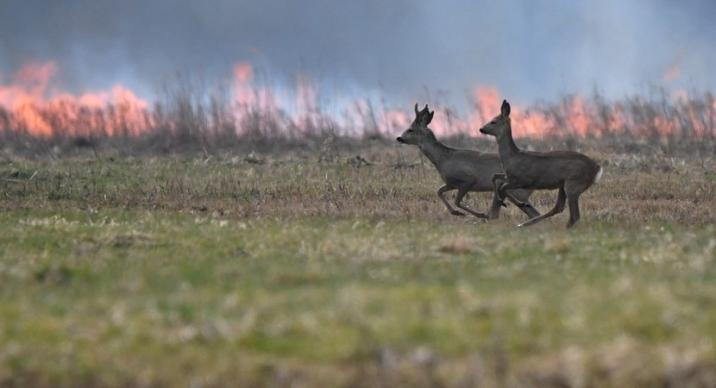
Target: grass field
(285, 270)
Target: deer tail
(598, 176)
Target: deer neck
(435, 151)
(506, 145)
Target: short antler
(426, 115)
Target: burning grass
(37, 117)
(311, 269)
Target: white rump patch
(599, 174)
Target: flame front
(34, 107)
(30, 103)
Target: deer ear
(505, 110)
(430, 117)
(416, 108)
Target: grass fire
(378, 194)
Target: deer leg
(558, 208)
(498, 180)
(505, 191)
(495, 207)
(527, 208)
(458, 202)
(441, 194)
(573, 201)
(574, 189)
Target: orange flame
(672, 73)
(243, 72)
(525, 123)
(30, 103)
(35, 108)
(248, 96)
(487, 102)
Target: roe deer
(464, 170)
(570, 172)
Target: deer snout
(400, 139)
(482, 130)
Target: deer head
(418, 130)
(500, 125)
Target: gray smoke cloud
(402, 49)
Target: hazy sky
(529, 49)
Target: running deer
(461, 170)
(570, 172)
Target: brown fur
(569, 172)
(461, 170)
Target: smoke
(401, 50)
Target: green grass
(170, 272)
